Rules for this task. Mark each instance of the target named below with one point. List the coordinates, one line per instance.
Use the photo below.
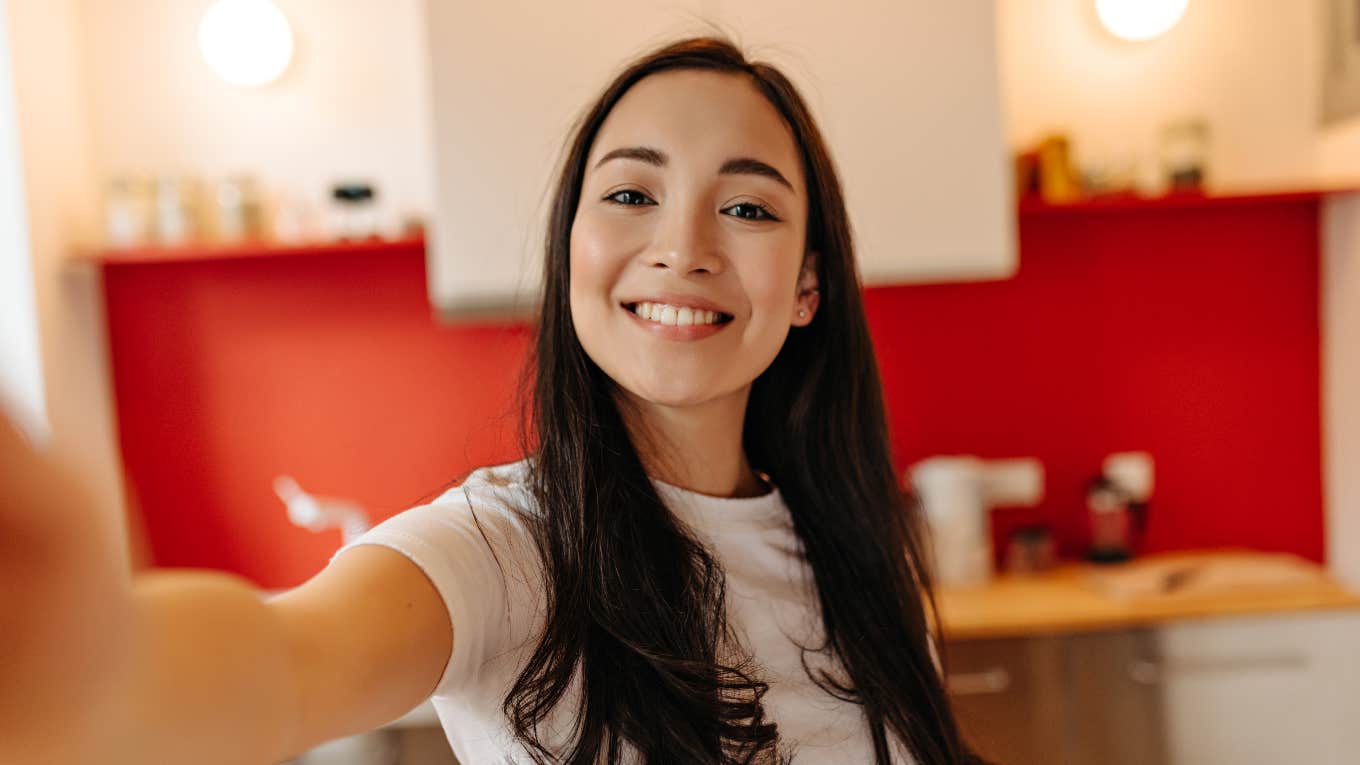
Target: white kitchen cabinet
(1267, 689)
(906, 93)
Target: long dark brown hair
(634, 604)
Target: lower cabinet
(1262, 690)
(1244, 691)
(1058, 699)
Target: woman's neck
(695, 447)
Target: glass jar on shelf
(239, 209)
(177, 210)
(355, 213)
(127, 212)
(1185, 154)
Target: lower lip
(676, 332)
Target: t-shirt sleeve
(465, 553)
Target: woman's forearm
(210, 678)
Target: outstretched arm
(190, 665)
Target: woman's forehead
(695, 116)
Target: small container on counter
(1118, 503)
(1030, 549)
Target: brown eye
(753, 211)
(629, 194)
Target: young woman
(705, 558)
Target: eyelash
(769, 216)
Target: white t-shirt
(497, 611)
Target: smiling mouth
(677, 316)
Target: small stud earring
(802, 313)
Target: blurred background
(267, 270)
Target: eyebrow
(734, 166)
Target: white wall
(354, 103)
(59, 192)
(21, 382)
(1341, 382)
(1252, 68)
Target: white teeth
(676, 316)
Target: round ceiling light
(245, 42)
(1138, 20)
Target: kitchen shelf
(1178, 200)
(262, 249)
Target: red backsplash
(1190, 332)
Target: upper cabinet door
(509, 79)
(905, 92)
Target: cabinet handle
(994, 680)
(1153, 672)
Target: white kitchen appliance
(958, 493)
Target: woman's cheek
(601, 246)
(585, 250)
(770, 284)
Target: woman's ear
(809, 292)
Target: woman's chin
(674, 393)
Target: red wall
(327, 368)
(1188, 331)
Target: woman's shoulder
(501, 489)
(488, 518)
(510, 475)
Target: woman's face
(687, 245)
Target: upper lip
(679, 301)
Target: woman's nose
(686, 242)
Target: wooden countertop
(1078, 597)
